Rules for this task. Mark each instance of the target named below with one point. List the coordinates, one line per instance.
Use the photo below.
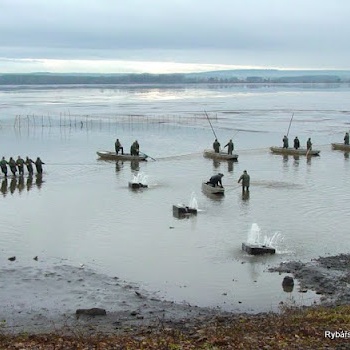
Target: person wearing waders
(39, 165)
(3, 165)
(245, 178)
(13, 167)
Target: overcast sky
(172, 35)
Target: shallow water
(83, 211)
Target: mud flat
(39, 300)
(43, 300)
(328, 276)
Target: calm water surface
(82, 210)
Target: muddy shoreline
(43, 300)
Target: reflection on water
(4, 185)
(135, 165)
(296, 160)
(29, 182)
(13, 184)
(216, 163)
(19, 183)
(346, 155)
(119, 165)
(245, 195)
(230, 166)
(39, 180)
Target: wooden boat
(209, 189)
(220, 156)
(107, 155)
(293, 151)
(341, 147)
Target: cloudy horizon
(108, 36)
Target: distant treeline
(192, 78)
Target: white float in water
(139, 181)
(258, 244)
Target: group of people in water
(18, 165)
(229, 145)
(296, 143)
(134, 148)
(215, 180)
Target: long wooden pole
(210, 124)
(290, 123)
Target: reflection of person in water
(135, 165)
(39, 180)
(4, 185)
(118, 166)
(20, 185)
(29, 182)
(13, 185)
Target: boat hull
(107, 155)
(212, 190)
(294, 152)
(341, 147)
(220, 156)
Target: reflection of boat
(293, 151)
(220, 156)
(107, 155)
(209, 189)
(341, 147)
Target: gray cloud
(263, 32)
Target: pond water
(82, 211)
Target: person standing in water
(13, 167)
(20, 165)
(245, 178)
(39, 165)
(3, 165)
(28, 162)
